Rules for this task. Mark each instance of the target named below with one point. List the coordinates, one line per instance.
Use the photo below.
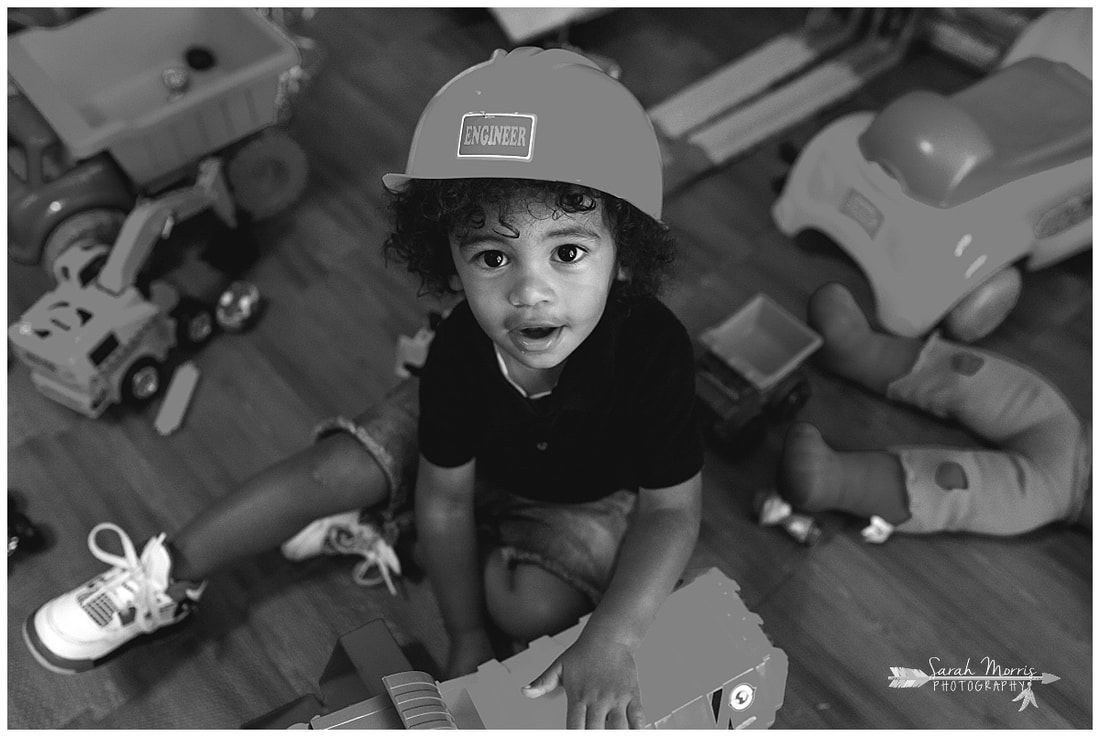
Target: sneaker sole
(67, 667)
(45, 658)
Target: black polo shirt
(622, 415)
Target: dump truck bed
(119, 102)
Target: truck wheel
(792, 399)
(194, 323)
(100, 224)
(268, 174)
(142, 381)
(986, 307)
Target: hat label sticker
(496, 136)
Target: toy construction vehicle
(103, 334)
(747, 373)
(705, 663)
(90, 132)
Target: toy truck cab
(88, 349)
(46, 185)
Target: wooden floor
(843, 611)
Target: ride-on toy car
(941, 199)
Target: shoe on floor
(137, 596)
(347, 534)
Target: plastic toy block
(177, 399)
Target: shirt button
(541, 445)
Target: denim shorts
(579, 543)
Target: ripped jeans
(579, 543)
(1040, 471)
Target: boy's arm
(598, 671)
(444, 511)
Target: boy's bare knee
(338, 461)
(527, 601)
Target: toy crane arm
(154, 219)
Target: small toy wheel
(268, 174)
(788, 405)
(986, 307)
(142, 382)
(194, 323)
(100, 225)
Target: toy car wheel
(100, 225)
(239, 306)
(986, 307)
(268, 174)
(142, 382)
(194, 323)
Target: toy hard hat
(538, 114)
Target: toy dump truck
(125, 102)
(748, 372)
(103, 334)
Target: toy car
(941, 199)
(748, 373)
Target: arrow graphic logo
(915, 678)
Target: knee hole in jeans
(950, 476)
(966, 364)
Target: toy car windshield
(1032, 116)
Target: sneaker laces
(127, 580)
(380, 562)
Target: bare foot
(814, 477)
(851, 347)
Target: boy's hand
(468, 651)
(601, 685)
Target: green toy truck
(90, 132)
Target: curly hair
(427, 211)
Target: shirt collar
(587, 381)
(508, 377)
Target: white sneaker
(72, 633)
(346, 534)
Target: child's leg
(526, 601)
(1041, 469)
(553, 562)
(816, 478)
(813, 476)
(335, 475)
(355, 464)
(1040, 476)
(851, 348)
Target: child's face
(538, 285)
